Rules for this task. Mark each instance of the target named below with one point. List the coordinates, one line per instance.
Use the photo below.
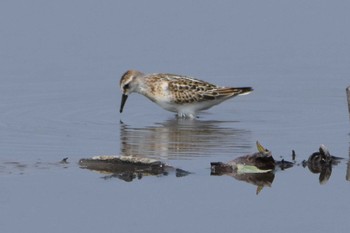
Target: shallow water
(60, 98)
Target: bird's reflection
(142, 149)
(184, 138)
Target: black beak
(124, 98)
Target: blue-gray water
(60, 64)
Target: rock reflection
(183, 137)
(260, 180)
(128, 168)
(257, 169)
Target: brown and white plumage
(181, 94)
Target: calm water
(60, 68)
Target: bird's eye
(126, 86)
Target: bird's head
(128, 85)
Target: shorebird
(176, 93)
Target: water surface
(61, 64)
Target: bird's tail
(234, 91)
(243, 90)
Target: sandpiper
(181, 94)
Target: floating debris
(128, 168)
(322, 162)
(64, 160)
(283, 164)
(259, 162)
(293, 155)
(257, 169)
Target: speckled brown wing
(188, 90)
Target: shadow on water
(185, 139)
